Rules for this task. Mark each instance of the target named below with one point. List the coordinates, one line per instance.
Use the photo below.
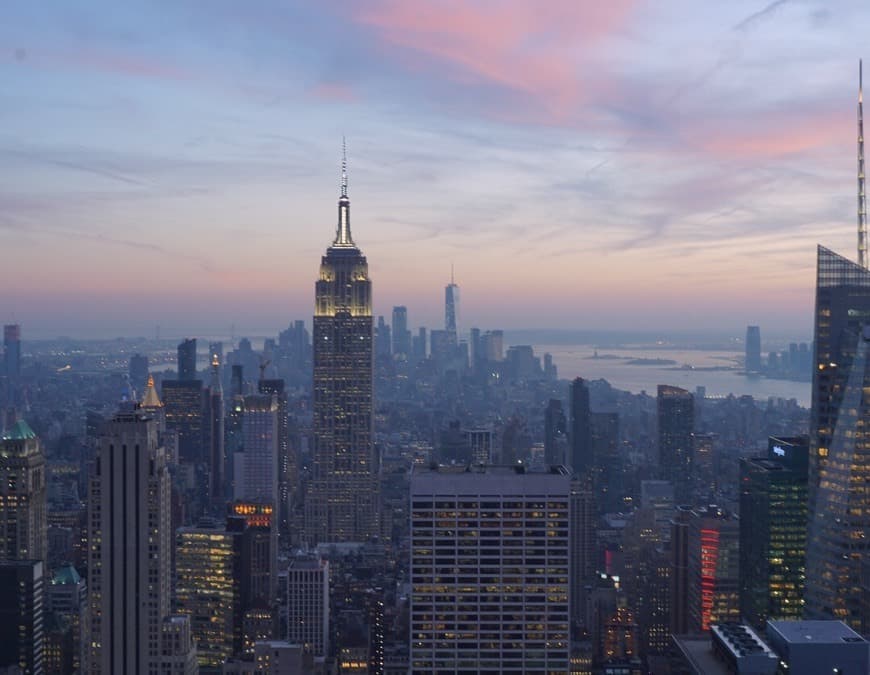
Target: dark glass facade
(676, 420)
(839, 467)
(773, 532)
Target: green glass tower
(773, 531)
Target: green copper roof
(66, 575)
(20, 431)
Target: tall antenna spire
(343, 167)
(862, 202)
(451, 273)
(342, 230)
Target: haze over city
(612, 165)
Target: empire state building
(342, 503)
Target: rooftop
(814, 632)
(19, 431)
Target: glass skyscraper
(773, 531)
(839, 470)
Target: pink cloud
(528, 47)
(776, 134)
(334, 92)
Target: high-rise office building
(401, 334)
(187, 359)
(773, 531)
(451, 310)
(679, 576)
(214, 434)
(23, 524)
(308, 603)
(256, 466)
(753, 349)
(138, 372)
(580, 432)
(342, 504)
(288, 468)
(129, 536)
(676, 422)
(608, 465)
(12, 362)
(490, 555)
(66, 596)
(584, 549)
(208, 580)
(22, 617)
(839, 469)
(713, 568)
(177, 647)
(183, 408)
(555, 433)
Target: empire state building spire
(342, 231)
(862, 202)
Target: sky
(660, 165)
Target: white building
(489, 569)
(308, 603)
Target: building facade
(342, 504)
(22, 639)
(839, 467)
(713, 568)
(676, 422)
(308, 604)
(129, 555)
(490, 562)
(773, 533)
(23, 525)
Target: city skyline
(145, 166)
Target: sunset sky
(657, 165)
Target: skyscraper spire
(343, 167)
(342, 232)
(862, 203)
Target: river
(576, 361)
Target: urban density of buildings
(359, 496)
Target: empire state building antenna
(862, 201)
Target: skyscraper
(12, 361)
(22, 610)
(129, 536)
(451, 310)
(308, 603)
(713, 568)
(208, 582)
(187, 359)
(138, 372)
(773, 531)
(839, 468)
(183, 407)
(256, 467)
(753, 349)
(287, 466)
(342, 504)
(401, 334)
(489, 570)
(555, 430)
(676, 422)
(580, 433)
(23, 527)
(214, 431)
